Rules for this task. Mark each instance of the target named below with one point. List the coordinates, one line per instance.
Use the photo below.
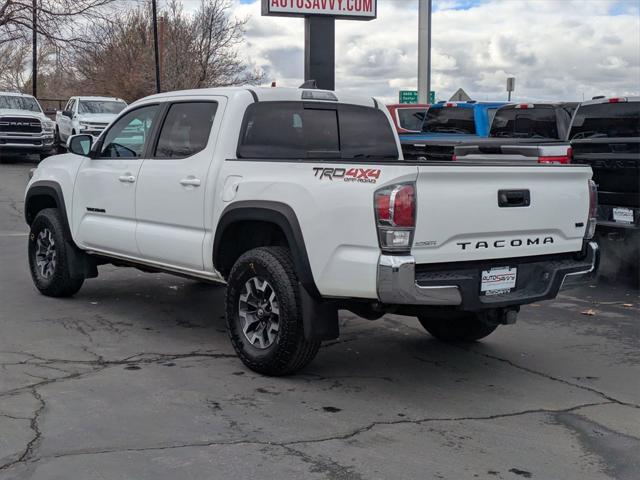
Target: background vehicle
(448, 124)
(88, 115)
(526, 131)
(300, 200)
(24, 128)
(408, 117)
(605, 134)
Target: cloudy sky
(557, 49)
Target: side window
(128, 137)
(186, 129)
(67, 106)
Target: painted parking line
(14, 234)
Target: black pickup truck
(534, 132)
(605, 134)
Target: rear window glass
(297, 130)
(450, 120)
(411, 118)
(537, 122)
(604, 120)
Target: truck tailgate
(477, 212)
(511, 149)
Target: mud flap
(81, 265)
(320, 319)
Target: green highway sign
(411, 96)
(408, 96)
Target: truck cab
(88, 115)
(448, 124)
(24, 128)
(526, 132)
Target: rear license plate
(498, 280)
(622, 215)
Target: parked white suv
(89, 115)
(301, 202)
(24, 128)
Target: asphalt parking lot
(134, 378)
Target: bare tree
(199, 50)
(58, 20)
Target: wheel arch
(45, 194)
(278, 214)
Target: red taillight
(454, 157)
(560, 159)
(395, 208)
(382, 207)
(403, 206)
(451, 105)
(614, 100)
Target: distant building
(460, 96)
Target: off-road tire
(290, 351)
(457, 327)
(60, 283)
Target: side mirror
(80, 144)
(67, 113)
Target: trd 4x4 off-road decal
(360, 175)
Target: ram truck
(88, 115)
(447, 125)
(535, 132)
(605, 135)
(301, 202)
(24, 128)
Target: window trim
(152, 133)
(164, 113)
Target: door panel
(104, 195)
(173, 185)
(104, 204)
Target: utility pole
(155, 43)
(163, 23)
(34, 49)
(424, 50)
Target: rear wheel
(264, 314)
(457, 327)
(48, 256)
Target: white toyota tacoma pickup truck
(300, 201)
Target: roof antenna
(309, 84)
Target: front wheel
(457, 327)
(264, 313)
(48, 256)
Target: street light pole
(424, 50)
(155, 43)
(34, 49)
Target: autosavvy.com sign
(354, 9)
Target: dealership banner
(351, 9)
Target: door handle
(514, 198)
(190, 182)
(127, 178)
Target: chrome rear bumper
(459, 284)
